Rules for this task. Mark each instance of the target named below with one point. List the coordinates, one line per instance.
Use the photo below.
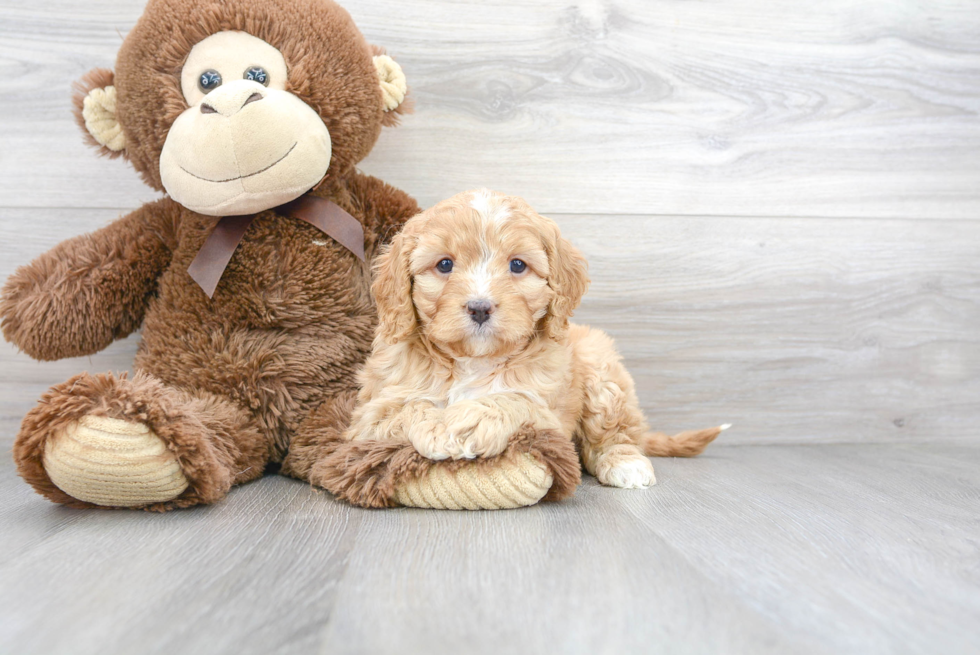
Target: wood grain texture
(763, 549)
(746, 108)
(796, 331)
(119, 581)
(793, 329)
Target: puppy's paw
(631, 474)
(626, 471)
(483, 441)
(433, 441)
(475, 430)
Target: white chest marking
(475, 377)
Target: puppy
(473, 342)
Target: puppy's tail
(684, 444)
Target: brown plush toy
(254, 324)
(251, 279)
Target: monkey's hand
(87, 291)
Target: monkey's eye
(209, 80)
(445, 266)
(257, 74)
(517, 266)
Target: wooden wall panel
(743, 108)
(793, 329)
(779, 199)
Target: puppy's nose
(479, 310)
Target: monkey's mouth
(241, 177)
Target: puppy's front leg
(391, 416)
(426, 429)
(483, 427)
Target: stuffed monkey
(250, 278)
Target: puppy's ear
(392, 289)
(569, 279)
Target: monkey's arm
(87, 291)
(385, 208)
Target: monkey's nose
(230, 99)
(479, 310)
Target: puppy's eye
(517, 266)
(445, 266)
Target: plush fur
(368, 473)
(215, 442)
(328, 59)
(227, 383)
(457, 383)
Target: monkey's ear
(94, 98)
(394, 87)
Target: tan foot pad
(113, 463)
(514, 483)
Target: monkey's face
(245, 143)
(237, 106)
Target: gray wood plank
(859, 549)
(794, 330)
(582, 577)
(838, 549)
(758, 549)
(731, 108)
(255, 574)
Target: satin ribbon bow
(211, 261)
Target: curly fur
(455, 388)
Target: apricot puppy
(473, 343)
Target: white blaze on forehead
(482, 275)
(491, 206)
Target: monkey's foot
(113, 463)
(512, 482)
(537, 465)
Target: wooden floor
(751, 549)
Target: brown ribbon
(210, 263)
